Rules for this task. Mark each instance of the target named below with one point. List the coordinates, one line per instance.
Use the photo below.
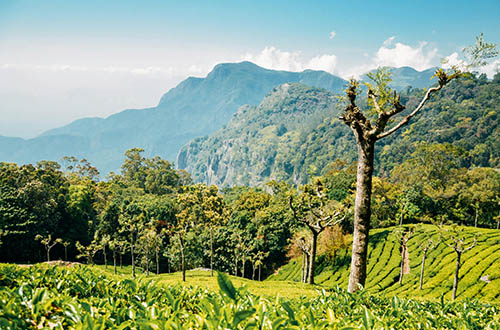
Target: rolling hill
(479, 273)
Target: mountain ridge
(195, 107)
(263, 143)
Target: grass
(384, 261)
(201, 278)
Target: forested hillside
(295, 131)
(196, 107)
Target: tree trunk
(260, 268)
(306, 269)
(303, 267)
(121, 259)
(157, 262)
(105, 259)
(65, 253)
(211, 252)
(475, 216)
(243, 266)
(114, 261)
(236, 263)
(312, 257)
(132, 254)
(183, 265)
(422, 270)
(362, 213)
(48, 254)
(455, 280)
(403, 252)
(253, 271)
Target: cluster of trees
(154, 212)
(153, 216)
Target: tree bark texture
(312, 261)
(362, 213)
(183, 265)
(422, 270)
(211, 252)
(455, 280)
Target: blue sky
(62, 60)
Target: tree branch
(470, 247)
(411, 115)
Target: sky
(63, 60)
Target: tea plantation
(45, 297)
(91, 297)
(479, 273)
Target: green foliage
(80, 298)
(254, 147)
(384, 263)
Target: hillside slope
(280, 139)
(196, 107)
(384, 261)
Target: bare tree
(88, 252)
(426, 245)
(316, 212)
(457, 240)
(65, 244)
(368, 128)
(403, 235)
(48, 243)
(306, 255)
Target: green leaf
(240, 316)
(226, 286)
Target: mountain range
(295, 131)
(195, 108)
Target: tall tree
(403, 235)
(426, 244)
(368, 128)
(313, 209)
(456, 239)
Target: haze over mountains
(196, 107)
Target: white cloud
(195, 69)
(397, 55)
(453, 60)
(333, 34)
(323, 62)
(491, 69)
(273, 58)
(388, 41)
(400, 55)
